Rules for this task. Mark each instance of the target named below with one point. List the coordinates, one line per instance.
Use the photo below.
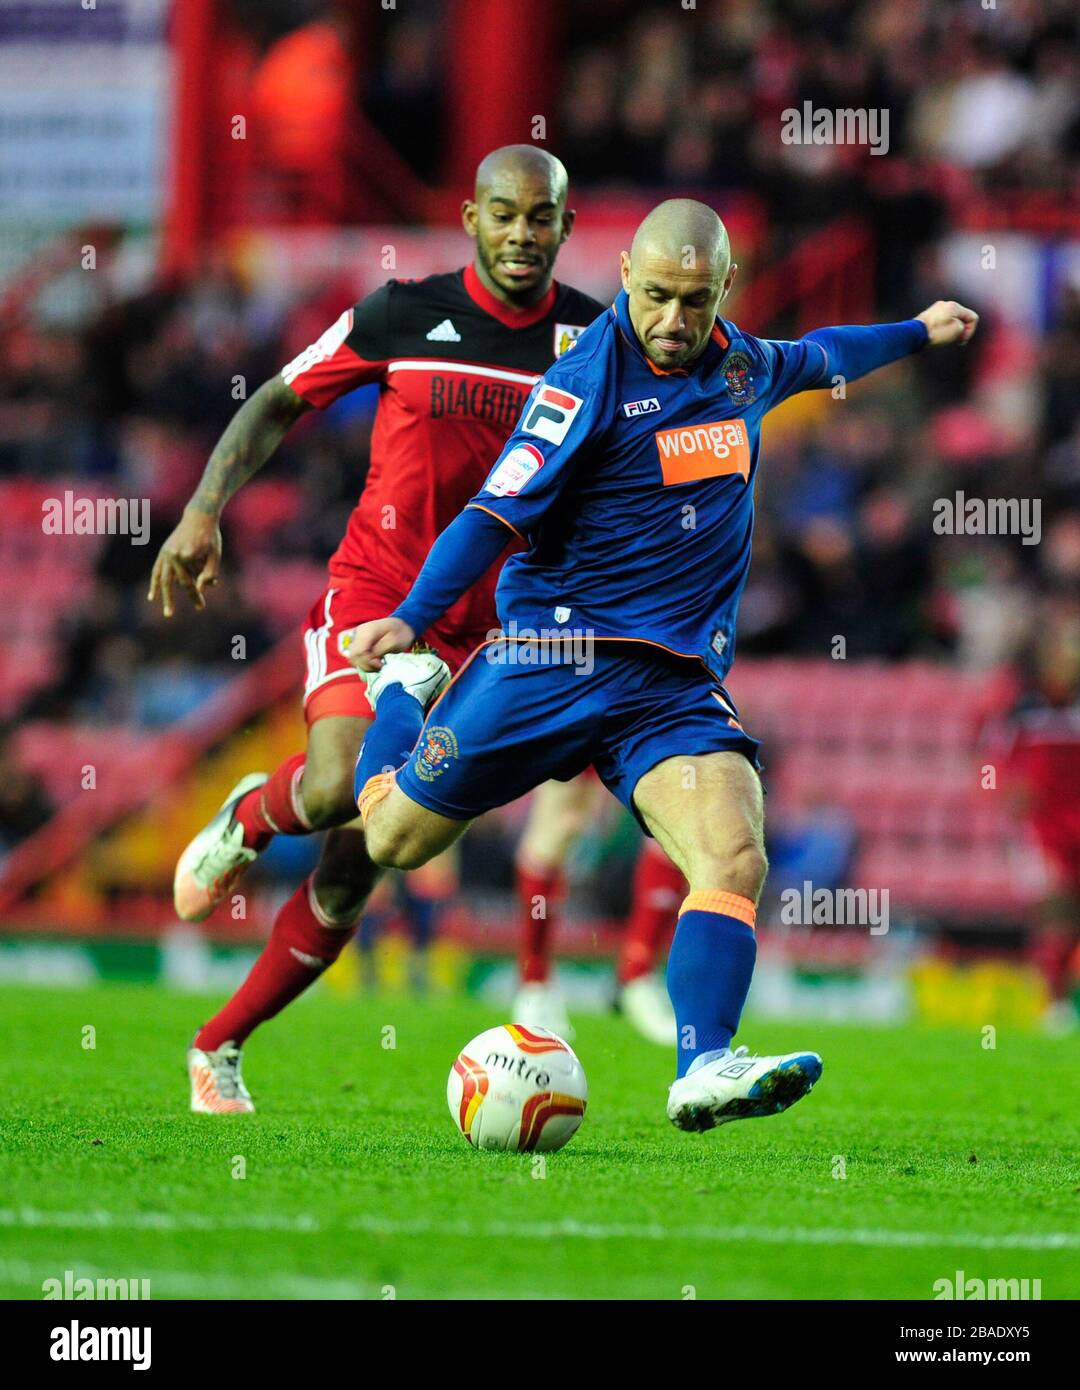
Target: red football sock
(275, 808)
(1050, 952)
(537, 891)
(659, 888)
(303, 942)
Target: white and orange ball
(517, 1089)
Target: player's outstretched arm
(948, 322)
(191, 557)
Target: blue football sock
(392, 737)
(709, 972)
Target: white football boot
(1061, 1019)
(540, 1005)
(423, 674)
(215, 858)
(645, 1005)
(217, 1088)
(736, 1086)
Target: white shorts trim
(315, 650)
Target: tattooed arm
(192, 554)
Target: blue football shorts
(510, 720)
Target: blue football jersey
(633, 487)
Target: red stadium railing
(145, 772)
(827, 278)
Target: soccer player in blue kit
(630, 480)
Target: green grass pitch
(356, 1184)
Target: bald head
(519, 219)
(677, 272)
(685, 233)
(521, 161)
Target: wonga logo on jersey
(704, 451)
(515, 471)
(552, 413)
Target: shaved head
(677, 272)
(518, 219)
(521, 160)
(685, 232)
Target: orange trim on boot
(714, 900)
(373, 791)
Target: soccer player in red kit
(455, 357)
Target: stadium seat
(58, 753)
(283, 592)
(896, 749)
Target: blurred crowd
(126, 398)
(982, 102)
(659, 94)
(846, 542)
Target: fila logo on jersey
(552, 413)
(649, 407)
(566, 335)
(515, 471)
(444, 332)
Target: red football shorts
(332, 686)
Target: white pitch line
(28, 1218)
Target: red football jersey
(454, 367)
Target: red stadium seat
(283, 592)
(260, 509)
(58, 753)
(895, 748)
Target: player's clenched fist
(370, 642)
(191, 557)
(948, 322)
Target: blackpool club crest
(736, 372)
(438, 749)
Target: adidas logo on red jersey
(444, 332)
